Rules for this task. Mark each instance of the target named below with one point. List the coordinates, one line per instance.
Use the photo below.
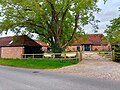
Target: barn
(91, 42)
(16, 46)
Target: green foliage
(117, 49)
(37, 63)
(113, 31)
(55, 21)
(117, 54)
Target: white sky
(109, 11)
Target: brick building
(45, 46)
(91, 42)
(14, 47)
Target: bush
(117, 49)
(117, 55)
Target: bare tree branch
(61, 25)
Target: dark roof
(92, 39)
(4, 41)
(22, 40)
(43, 44)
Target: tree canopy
(57, 22)
(113, 31)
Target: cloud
(109, 12)
(106, 16)
(9, 33)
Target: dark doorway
(86, 47)
(32, 50)
(78, 48)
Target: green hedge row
(117, 54)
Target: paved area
(94, 65)
(12, 78)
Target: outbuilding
(90, 42)
(16, 46)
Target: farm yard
(94, 65)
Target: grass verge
(37, 63)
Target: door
(86, 47)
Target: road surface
(33, 79)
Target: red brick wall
(12, 52)
(94, 48)
(73, 48)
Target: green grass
(37, 63)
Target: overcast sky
(109, 11)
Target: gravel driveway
(94, 65)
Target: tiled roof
(91, 39)
(4, 41)
(22, 40)
(43, 44)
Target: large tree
(56, 21)
(113, 31)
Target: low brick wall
(12, 52)
(73, 48)
(95, 48)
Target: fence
(107, 54)
(116, 56)
(67, 55)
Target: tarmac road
(12, 78)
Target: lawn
(37, 63)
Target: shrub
(117, 54)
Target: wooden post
(25, 56)
(53, 55)
(33, 55)
(43, 55)
(76, 55)
(80, 56)
(64, 55)
(113, 55)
